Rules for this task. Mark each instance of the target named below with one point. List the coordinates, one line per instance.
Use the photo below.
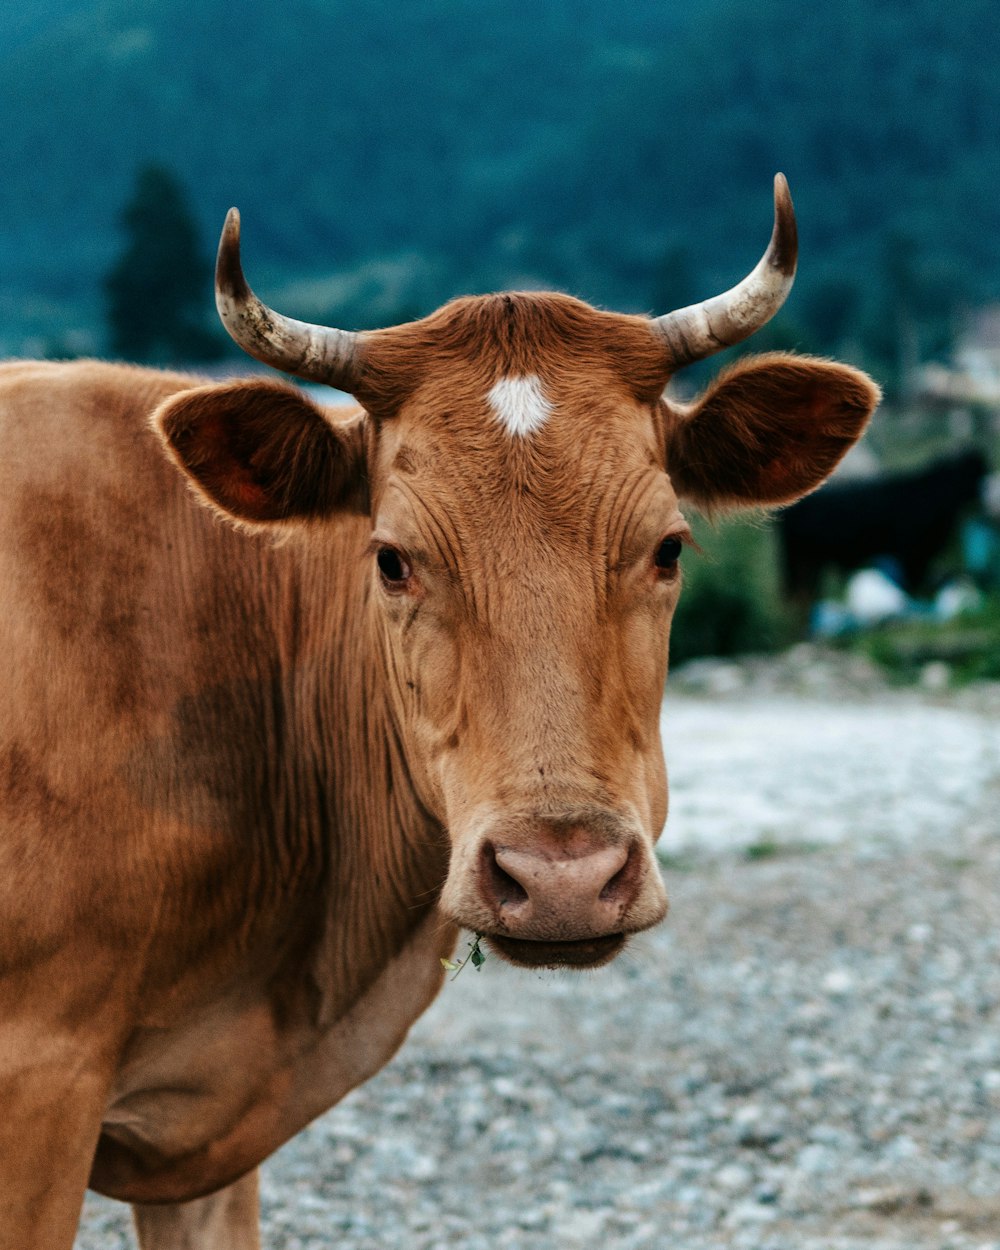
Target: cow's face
(525, 483)
(526, 549)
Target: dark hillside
(386, 156)
(883, 116)
(343, 130)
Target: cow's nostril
(622, 885)
(503, 889)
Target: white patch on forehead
(520, 406)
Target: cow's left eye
(667, 555)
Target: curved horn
(316, 353)
(700, 329)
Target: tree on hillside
(915, 313)
(158, 292)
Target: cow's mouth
(582, 953)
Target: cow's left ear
(767, 431)
(261, 453)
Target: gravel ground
(806, 1056)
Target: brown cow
(254, 775)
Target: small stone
(754, 1129)
(814, 1159)
(838, 982)
(582, 1225)
(751, 1213)
(733, 1177)
(902, 1147)
(935, 676)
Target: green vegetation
(968, 645)
(731, 602)
(767, 849)
(676, 861)
(476, 957)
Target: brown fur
(508, 334)
(248, 791)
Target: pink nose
(550, 893)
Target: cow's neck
(323, 940)
(384, 857)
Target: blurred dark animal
(905, 518)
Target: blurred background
(387, 157)
(807, 1055)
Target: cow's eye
(667, 555)
(393, 568)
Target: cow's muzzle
(548, 893)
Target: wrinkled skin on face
(528, 648)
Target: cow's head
(525, 479)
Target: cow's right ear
(262, 453)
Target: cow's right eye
(667, 555)
(393, 568)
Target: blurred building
(973, 377)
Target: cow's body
(251, 784)
(200, 689)
(906, 518)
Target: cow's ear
(767, 431)
(263, 454)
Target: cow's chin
(581, 953)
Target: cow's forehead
(545, 430)
(512, 478)
(519, 402)
(517, 342)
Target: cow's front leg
(227, 1220)
(52, 1093)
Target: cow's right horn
(315, 353)
(699, 330)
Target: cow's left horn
(697, 331)
(316, 353)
